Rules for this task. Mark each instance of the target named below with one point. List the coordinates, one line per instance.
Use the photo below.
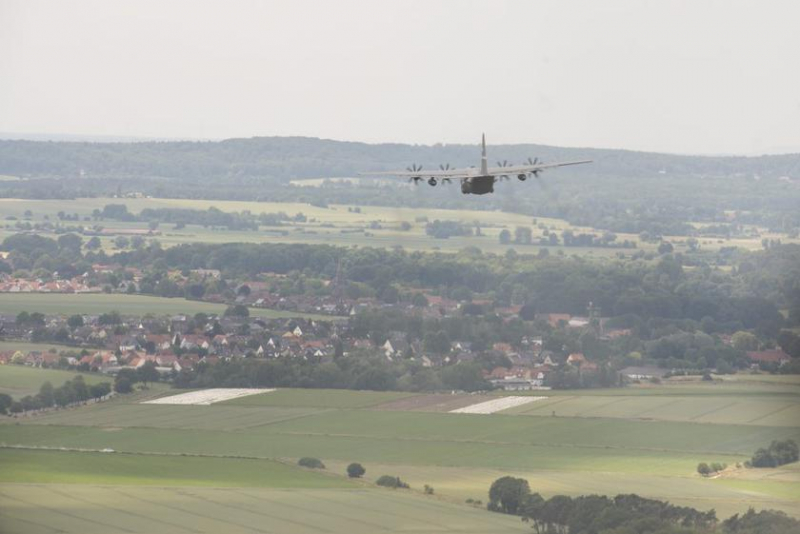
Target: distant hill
(621, 191)
(286, 158)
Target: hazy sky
(677, 76)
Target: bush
(508, 494)
(123, 385)
(778, 453)
(311, 463)
(428, 490)
(706, 469)
(388, 481)
(355, 470)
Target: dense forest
(621, 191)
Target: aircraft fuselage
(477, 185)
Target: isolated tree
(312, 463)
(147, 373)
(75, 321)
(122, 242)
(94, 243)
(5, 403)
(47, 394)
(507, 494)
(419, 300)
(505, 237)
(195, 291)
(437, 342)
(523, 235)
(244, 290)
(238, 310)
(71, 242)
(704, 469)
(355, 470)
(98, 391)
(79, 388)
(389, 481)
(123, 385)
(744, 341)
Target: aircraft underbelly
(478, 185)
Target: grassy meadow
(19, 381)
(646, 440)
(63, 467)
(373, 226)
(98, 303)
(94, 509)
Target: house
(643, 373)
(577, 359)
(503, 348)
(511, 383)
(557, 319)
(461, 346)
(773, 356)
(578, 322)
(548, 358)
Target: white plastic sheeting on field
(208, 396)
(496, 405)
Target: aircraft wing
(449, 173)
(526, 169)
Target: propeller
(414, 168)
(503, 163)
(445, 167)
(535, 173)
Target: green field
(337, 225)
(727, 496)
(97, 303)
(333, 225)
(219, 417)
(26, 346)
(321, 398)
(91, 509)
(18, 380)
(708, 409)
(648, 441)
(59, 467)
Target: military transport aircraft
(476, 181)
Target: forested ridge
(622, 191)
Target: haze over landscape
(260, 274)
(711, 77)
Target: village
(109, 342)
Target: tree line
(624, 514)
(621, 191)
(70, 392)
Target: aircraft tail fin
(484, 161)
